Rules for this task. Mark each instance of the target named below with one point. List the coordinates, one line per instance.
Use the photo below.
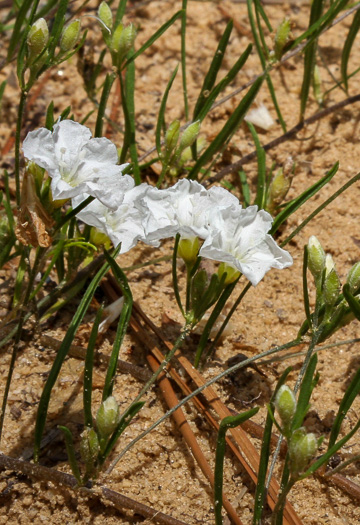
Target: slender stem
(279, 507)
(196, 392)
(74, 212)
(19, 123)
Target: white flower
(76, 162)
(239, 238)
(185, 208)
(125, 224)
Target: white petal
(38, 146)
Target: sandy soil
(160, 471)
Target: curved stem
(19, 122)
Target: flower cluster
(81, 166)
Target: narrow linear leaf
(161, 116)
(295, 204)
(226, 423)
(60, 357)
(122, 325)
(351, 393)
(352, 302)
(15, 37)
(245, 189)
(305, 287)
(261, 180)
(210, 78)
(71, 453)
(153, 38)
(109, 80)
(265, 453)
(120, 12)
(88, 370)
(183, 57)
(228, 130)
(309, 58)
(58, 25)
(354, 28)
(130, 104)
(208, 102)
(307, 385)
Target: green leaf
(129, 112)
(307, 385)
(352, 301)
(19, 280)
(309, 58)
(16, 34)
(49, 119)
(88, 370)
(161, 115)
(226, 423)
(355, 26)
(350, 395)
(153, 38)
(183, 56)
(60, 357)
(295, 204)
(210, 78)
(120, 12)
(305, 287)
(122, 325)
(265, 453)
(245, 189)
(261, 181)
(58, 25)
(229, 77)
(109, 80)
(228, 130)
(71, 453)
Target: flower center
(69, 167)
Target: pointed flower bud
(188, 250)
(332, 283)
(122, 41)
(285, 404)
(37, 38)
(89, 447)
(172, 136)
(231, 273)
(282, 37)
(105, 15)
(353, 278)
(277, 191)
(190, 135)
(302, 448)
(107, 417)
(316, 258)
(317, 85)
(70, 36)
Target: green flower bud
(70, 36)
(285, 404)
(172, 136)
(316, 258)
(232, 273)
(317, 86)
(36, 171)
(282, 37)
(37, 38)
(89, 448)
(190, 135)
(188, 250)
(277, 191)
(353, 278)
(302, 448)
(99, 239)
(122, 41)
(105, 14)
(107, 417)
(332, 285)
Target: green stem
(276, 518)
(19, 122)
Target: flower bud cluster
(334, 311)
(302, 446)
(81, 166)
